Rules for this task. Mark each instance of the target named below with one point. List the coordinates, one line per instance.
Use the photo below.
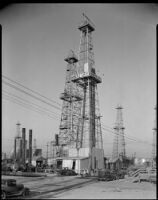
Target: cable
(13, 86)
(55, 114)
(135, 139)
(8, 139)
(127, 137)
(43, 112)
(116, 134)
(27, 106)
(30, 90)
(30, 95)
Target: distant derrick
(119, 141)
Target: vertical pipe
(92, 141)
(15, 149)
(23, 145)
(83, 114)
(30, 146)
(26, 155)
(20, 149)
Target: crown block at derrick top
(86, 24)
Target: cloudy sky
(35, 40)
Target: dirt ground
(120, 189)
(43, 188)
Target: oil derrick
(119, 141)
(154, 141)
(71, 108)
(90, 135)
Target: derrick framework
(119, 140)
(80, 127)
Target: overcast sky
(36, 39)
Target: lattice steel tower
(90, 135)
(71, 107)
(80, 126)
(154, 140)
(119, 141)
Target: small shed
(75, 163)
(39, 161)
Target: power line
(128, 137)
(43, 112)
(125, 136)
(8, 139)
(116, 133)
(13, 86)
(37, 98)
(31, 90)
(134, 138)
(55, 114)
(28, 106)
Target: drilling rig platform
(80, 143)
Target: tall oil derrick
(119, 140)
(71, 108)
(154, 140)
(90, 135)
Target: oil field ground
(75, 187)
(119, 189)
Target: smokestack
(23, 146)
(15, 148)
(56, 139)
(20, 150)
(18, 130)
(30, 146)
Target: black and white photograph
(79, 103)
